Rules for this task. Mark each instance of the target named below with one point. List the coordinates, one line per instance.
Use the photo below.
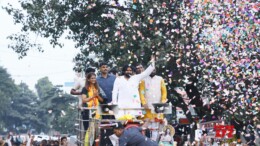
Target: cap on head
(118, 125)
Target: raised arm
(148, 70)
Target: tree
(189, 39)
(63, 113)
(55, 111)
(42, 86)
(8, 90)
(119, 33)
(23, 109)
(18, 105)
(115, 32)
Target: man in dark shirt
(106, 81)
(132, 136)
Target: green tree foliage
(117, 32)
(23, 109)
(43, 86)
(7, 91)
(7, 85)
(189, 39)
(55, 111)
(18, 105)
(63, 113)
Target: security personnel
(132, 136)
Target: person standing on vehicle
(106, 81)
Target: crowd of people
(30, 140)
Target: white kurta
(79, 84)
(126, 95)
(153, 92)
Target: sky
(55, 63)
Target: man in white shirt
(152, 90)
(79, 84)
(125, 92)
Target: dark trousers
(85, 118)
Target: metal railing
(95, 125)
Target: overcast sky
(56, 63)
